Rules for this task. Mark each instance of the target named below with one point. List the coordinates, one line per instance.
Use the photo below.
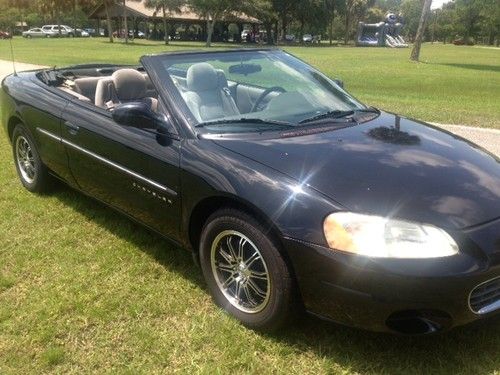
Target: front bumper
(413, 296)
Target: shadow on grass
(482, 67)
(471, 348)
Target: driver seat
(207, 95)
(124, 85)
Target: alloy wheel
(25, 160)
(240, 271)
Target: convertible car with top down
(290, 193)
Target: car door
(127, 168)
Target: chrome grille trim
(485, 297)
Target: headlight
(377, 236)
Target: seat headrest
(202, 77)
(129, 84)
(221, 79)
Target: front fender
(210, 170)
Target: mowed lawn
(454, 84)
(84, 290)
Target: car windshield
(254, 91)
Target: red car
(5, 35)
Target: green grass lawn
(454, 84)
(84, 290)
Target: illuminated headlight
(376, 236)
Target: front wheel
(31, 171)
(245, 272)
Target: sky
(438, 3)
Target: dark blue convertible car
(290, 193)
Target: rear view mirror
(339, 82)
(245, 69)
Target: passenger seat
(207, 95)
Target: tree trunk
(276, 32)
(301, 31)
(269, 32)
(74, 14)
(125, 21)
(330, 29)
(59, 22)
(347, 24)
(210, 30)
(108, 21)
(165, 24)
(415, 52)
(284, 27)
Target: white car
(82, 33)
(64, 30)
(37, 32)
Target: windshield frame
(171, 92)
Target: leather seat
(124, 85)
(207, 95)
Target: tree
(284, 9)
(415, 52)
(355, 10)
(332, 8)
(213, 10)
(107, 4)
(264, 11)
(490, 24)
(411, 11)
(125, 20)
(165, 6)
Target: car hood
(389, 166)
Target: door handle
(72, 128)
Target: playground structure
(381, 34)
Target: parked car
(288, 191)
(131, 34)
(5, 35)
(37, 32)
(62, 30)
(82, 33)
(289, 38)
(244, 34)
(95, 32)
(463, 42)
(139, 34)
(308, 38)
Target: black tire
(31, 171)
(278, 307)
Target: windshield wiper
(245, 120)
(330, 114)
(336, 114)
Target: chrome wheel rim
(25, 160)
(240, 271)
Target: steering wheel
(265, 93)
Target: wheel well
(207, 207)
(13, 121)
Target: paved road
(485, 137)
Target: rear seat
(75, 94)
(87, 86)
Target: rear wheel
(33, 174)
(246, 274)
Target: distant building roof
(138, 9)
